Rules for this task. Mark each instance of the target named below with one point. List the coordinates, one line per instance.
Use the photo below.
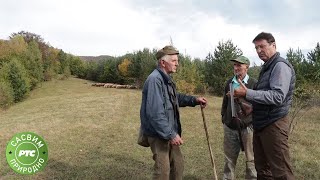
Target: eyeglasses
(262, 46)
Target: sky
(117, 27)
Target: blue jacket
(159, 113)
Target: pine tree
(218, 67)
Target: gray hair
(165, 58)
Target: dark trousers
(271, 152)
(168, 160)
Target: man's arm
(156, 112)
(279, 84)
(186, 100)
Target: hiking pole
(207, 135)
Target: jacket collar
(165, 76)
(267, 64)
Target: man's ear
(162, 63)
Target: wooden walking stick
(207, 135)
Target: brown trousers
(168, 160)
(271, 151)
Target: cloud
(98, 27)
(83, 27)
(197, 26)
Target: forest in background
(27, 60)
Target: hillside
(95, 58)
(91, 134)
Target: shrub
(6, 94)
(185, 87)
(304, 98)
(16, 75)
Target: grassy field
(91, 134)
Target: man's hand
(241, 91)
(202, 101)
(176, 141)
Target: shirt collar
(245, 79)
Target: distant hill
(95, 58)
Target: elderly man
(271, 99)
(238, 132)
(159, 114)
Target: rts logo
(27, 153)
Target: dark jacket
(159, 113)
(226, 107)
(264, 114)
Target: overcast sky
(105, 27)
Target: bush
(16, 75)
(201, 88)
(304, 97)
(6, 94)
(185, 87)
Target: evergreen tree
(64, 63)
(298, 61)
(78, 67)
(218, 67)
(314, 63)
(6, 94)
(16, 75)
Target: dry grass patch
(91, 134)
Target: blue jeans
(231, 145)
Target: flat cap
(242, 60)
(167, 50)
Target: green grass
(91, 134)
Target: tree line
(26, 60)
